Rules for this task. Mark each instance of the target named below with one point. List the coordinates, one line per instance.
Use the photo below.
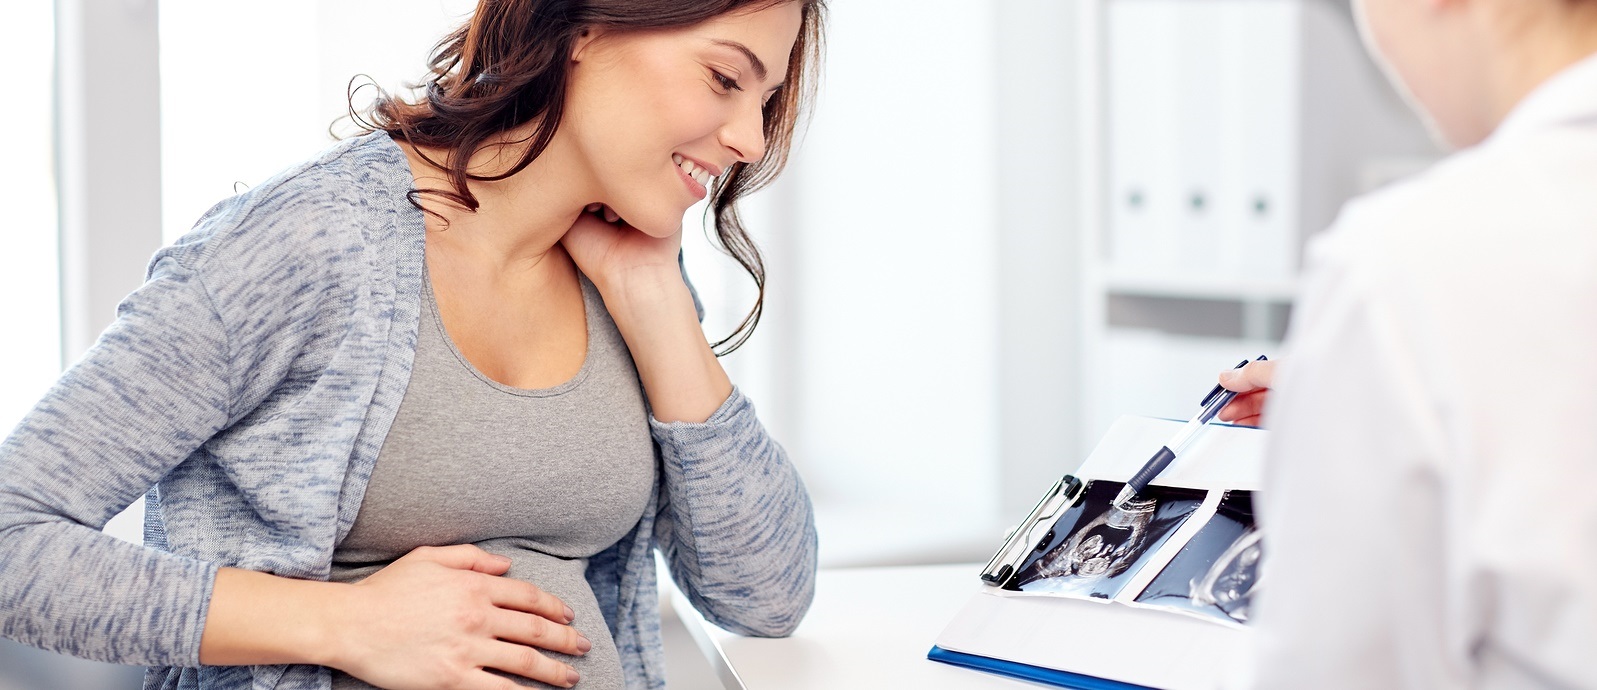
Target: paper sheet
(1154, 593)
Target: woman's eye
(726, 82)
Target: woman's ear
(585, 38)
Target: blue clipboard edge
(1063, 679)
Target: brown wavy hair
(507, 66)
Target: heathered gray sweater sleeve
(738, 530)
(152, 389)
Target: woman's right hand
(1252, 384)
(440, 615)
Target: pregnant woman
(419, 413)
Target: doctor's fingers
(1245, 409)
(1256, 375)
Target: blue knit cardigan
(246, 389)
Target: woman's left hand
(643, 289)
(611, 253)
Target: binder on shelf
(1203, 148)
(1215, 113)
(1152, 594)
(1144, 206)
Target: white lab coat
(1431, 502)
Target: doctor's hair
(507, 65)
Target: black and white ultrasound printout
(1094, 548)
(1217, 571)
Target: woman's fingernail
(583, 644)
(570, 615)
(572, 677)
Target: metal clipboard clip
(1007, 561)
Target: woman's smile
(694, 174)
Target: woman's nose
(745, 133)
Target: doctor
(1431, 513)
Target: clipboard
(1048, 676)
(1149, 620)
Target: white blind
(30, 351)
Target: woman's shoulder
(295, 258)
(314, 215)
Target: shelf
(1279, 291)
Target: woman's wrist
(257, 618)
(644, 290)
(654, 311)
(652, 308)
(335, 606)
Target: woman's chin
(659, 227)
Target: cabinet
(1217, 135)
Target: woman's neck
(518, 219)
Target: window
(29, 274)
(237, 107)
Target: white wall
(240, 105)
(922, 335)
(1040, 270)
(887, 300)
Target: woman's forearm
(437, 617)
(257, 618)
(747, 565)
(681, 374)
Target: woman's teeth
(693, 171)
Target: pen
(1212, 403)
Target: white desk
(868, 628)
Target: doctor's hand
(437, 617)
(1252, 384)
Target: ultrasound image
(1094, 548)
(1217, 572)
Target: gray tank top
(546, 477)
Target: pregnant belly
(600, 668)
